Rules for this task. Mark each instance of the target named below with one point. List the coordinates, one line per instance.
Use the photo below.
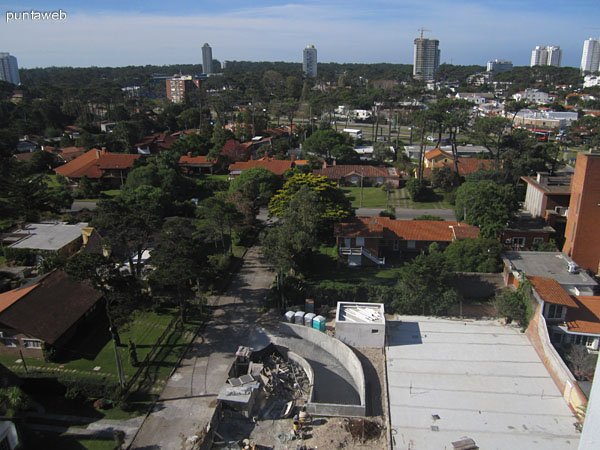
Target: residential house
(438, 158)
(353, 174)
(65, 154)
(373, 240)
(49, 310)
(54, 237)
(110, 169)
(195, 164)
(236, 151)
(277, 166)
(545, 192)
(582, 242)
(571, 319)
(155, 143)
(524, 232)
(532, 96)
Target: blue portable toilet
(319, 323)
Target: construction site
(301, 388)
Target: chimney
(324, 164)
(189, 154)
(292, 158)
(542, 177)
(98, 154)
(334, 162)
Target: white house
(532, 95)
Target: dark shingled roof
(51, 307)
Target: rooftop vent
(573, 268)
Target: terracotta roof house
(155, 143)
(570, 319)
(236, 151)
(373, 240)
(342, 174)
(195, 164)
(438, 158)
(48, 311)
(277, 166)
(109, 168)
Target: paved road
(189, 398)
(446, 214)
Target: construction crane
(422, 30)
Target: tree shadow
(86, 343)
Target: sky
(121, 33)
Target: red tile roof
(277, 166)
(437, 152)
(185, 159)
(585, 318)
(551, 291)
(466, 166)
(10, 297)
(94, 162)
(410, 230)
(338, 172)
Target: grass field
(375, 197)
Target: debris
(465, 444)
(289, 409)
(363, 430)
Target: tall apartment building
(550, 55)
(178, 85)
(581, 235)
(590, 59)
(499, 66)
(309, 61)
(9, 69)
(426, 58)
(207, 61)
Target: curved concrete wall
(347, 359)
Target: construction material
(363, 430)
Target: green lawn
(375, 197)
(95, 349)
(372, 197)
(224, 177)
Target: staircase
(355, 251)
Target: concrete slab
(484, 381)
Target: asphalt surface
(189, 398)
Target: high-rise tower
(9, 70)
(550, 55)
(309, 61)
(207, 65)
(427, 58)
(590, 59)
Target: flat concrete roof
(48, 235)
(485, 382)
(371, 313)
(550, 265)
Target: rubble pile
(363, 430)
(284, 379)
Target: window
(374, 331)
(360, 241)
(578, 202)
(396, 245)
(411, 244)
(10, 342)
(538, 240)
(554, 311)
(518, 242)
(581, 340)
(32, 343)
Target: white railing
(356, 251)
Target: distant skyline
(118, 33)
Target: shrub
(515, 305)
(418, 190)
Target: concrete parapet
(345, 356)
(560, 373)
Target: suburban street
(189, 398)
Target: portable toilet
(308, 319)
(309, 305)
(319, 323)
(299, 317)
(289, 316)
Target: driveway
(456, 379)
(189, 398)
